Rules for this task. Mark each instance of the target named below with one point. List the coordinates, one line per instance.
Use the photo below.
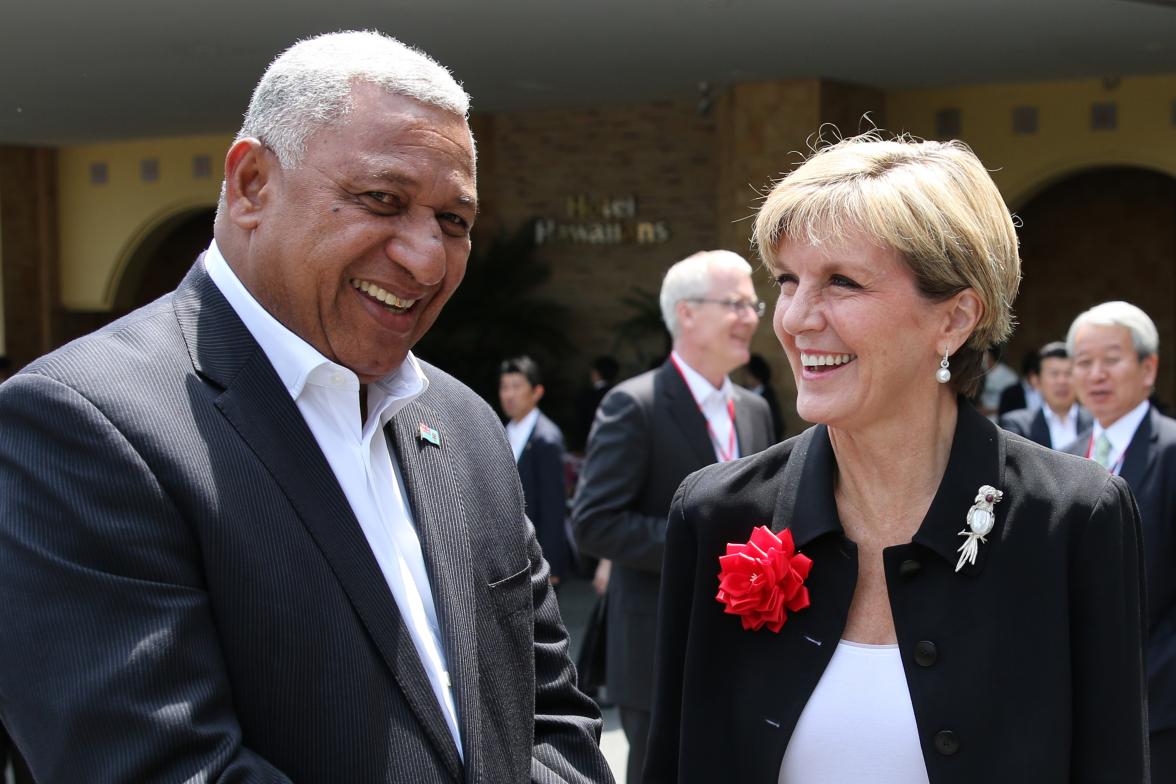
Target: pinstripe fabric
(201, 604)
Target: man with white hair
(1115, 350)
(650, 432)
(246, 534)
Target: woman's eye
(785, 279)
(843, 282)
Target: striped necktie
(1102, 451)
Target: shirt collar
(1122, 430)
(700, 388)
(298, 363)
(526, 424)
(1051, 417)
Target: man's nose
(419, 247)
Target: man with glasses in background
(650, 432)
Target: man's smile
(386, 298)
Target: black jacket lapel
(684, 410)
(1140, 454)
(441, 525)
(262, 412)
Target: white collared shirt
(519, 433)
(327, 396)
(1062, 430)
(713, 404)
(1120, 433)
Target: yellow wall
(1023, 164)
(101, 225)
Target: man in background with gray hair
(246, 534)
(1115, 349)
(650, 432)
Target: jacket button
(909, 568)
(946, 742)
(925, 653)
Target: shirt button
(925, 653)
(909, 568)
(337, 379)
(947, 742)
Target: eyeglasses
(736, 306)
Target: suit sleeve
(566, 748)
(673, 631)
(1108, 619)
(552, 506)
(605, 517)
(116, 674)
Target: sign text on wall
(611, 220)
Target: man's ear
(537, 393)
(963, 314)
(1151, 365)
(248, 169)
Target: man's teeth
(375, 292)
(821, 360)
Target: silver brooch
(981, 518)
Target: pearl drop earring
(943, 375)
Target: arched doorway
(154, 268)
(163, 258)
(1101, 234)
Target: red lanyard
(1115, 466)
(724, 456)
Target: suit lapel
(443, 529)
(1039, 430)
(685, 412)
(1141, 452)
(745, 428)
(260, 409)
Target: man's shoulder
(640, 387)
(1020, 421)
(146, 340)
(547, 430)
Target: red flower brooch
(762, 581)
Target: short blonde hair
(933, 202)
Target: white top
(858, 725)
(519, 433)
(327, 395)
(713, 403)
(1120, 433)
(1062, 431)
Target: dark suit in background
(206, 604)
(1031, 424)
(541, 471)
(1149, 466)
(649, 434)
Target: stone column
(764, 130)
(28, 247)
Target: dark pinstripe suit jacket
(197, 602)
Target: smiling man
(650, 432)
(254, 537)
(1115, 347)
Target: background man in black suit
(1115, 349)
(538, 448)
(602, 376)
(1060, 419)
(253, 537)
(650, 432)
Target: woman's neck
(888, 474)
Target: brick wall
(663, 154)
